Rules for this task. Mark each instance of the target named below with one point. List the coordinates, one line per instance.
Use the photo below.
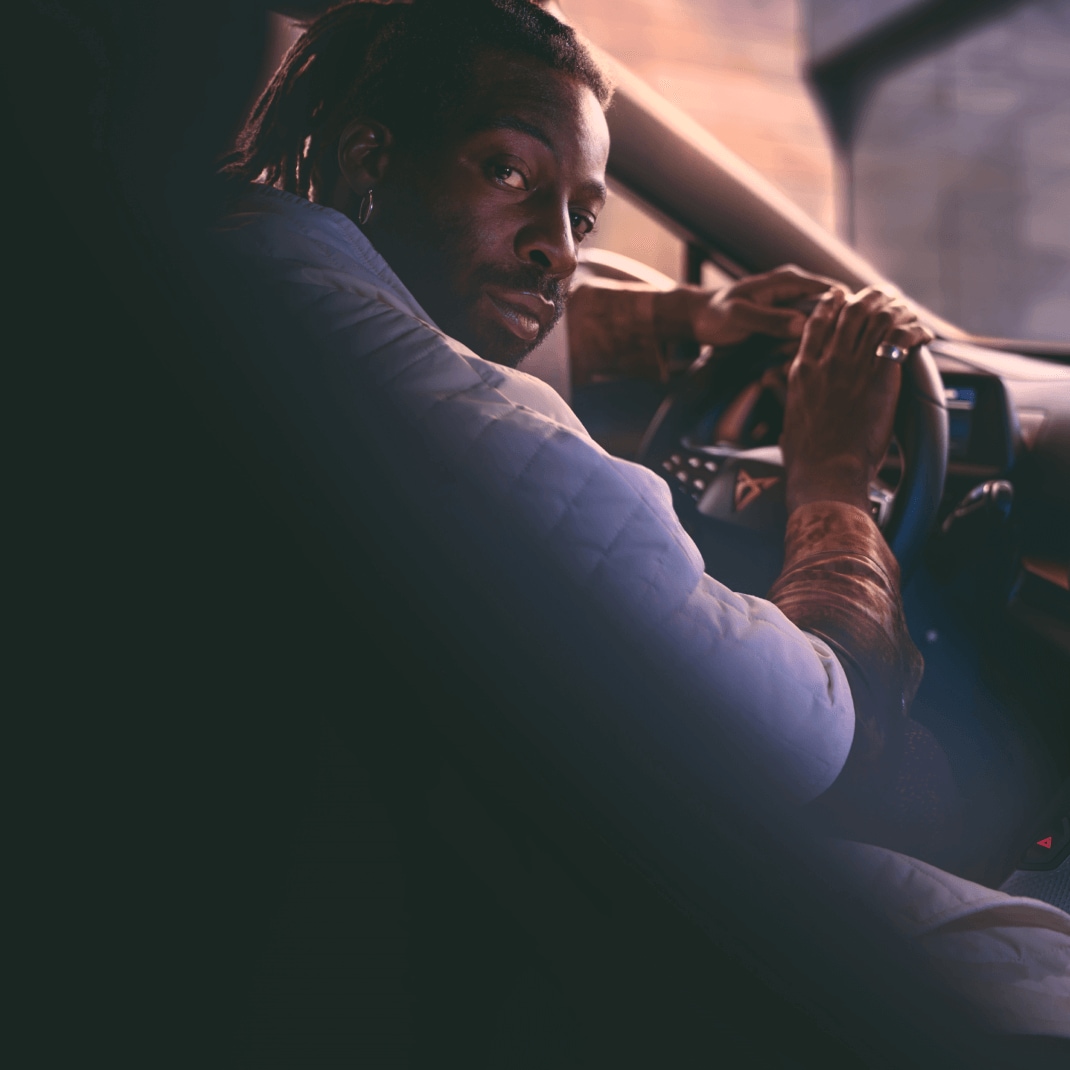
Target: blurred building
(956, 151)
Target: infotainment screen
(978, 419)
(961, 401)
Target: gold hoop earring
(367, 203)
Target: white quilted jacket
(518, 476)
(601, 530)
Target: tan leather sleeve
(840, 582)
(611, 332)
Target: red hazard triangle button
(1046, 842)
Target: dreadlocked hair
(405, 64)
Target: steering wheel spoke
(881, 501)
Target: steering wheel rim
(749, 557)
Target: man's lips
(524, 312)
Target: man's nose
(546, 239)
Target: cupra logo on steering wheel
(749, 488)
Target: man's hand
(841, 396)
(760, 304)
(618, 328)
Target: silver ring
(893, 353)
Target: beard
(489, 339)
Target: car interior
(247, 864)
(984, 519)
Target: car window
(957, 157)
(627, 226)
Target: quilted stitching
(759, 687)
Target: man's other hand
(842, 396)
(774, 303)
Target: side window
(956, 176)
(626, 226)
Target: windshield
(930, 144)
(959, 184)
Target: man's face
(483, 227)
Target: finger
(887, 378)
(887, 375)
(906, 332)
(907, 321)
(911, 336)
(819, 328)
(878, 328)
(853, 321)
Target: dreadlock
(406, 64)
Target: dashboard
(1000, 405)
(1009, 425)
(1009, 419)
(979, 423)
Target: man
(423, 179)
(481, 219)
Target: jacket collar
(337, 230)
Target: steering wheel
(730, 498)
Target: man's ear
(363, 154)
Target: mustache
(533, 279)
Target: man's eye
(582, 225)
(508, 176)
